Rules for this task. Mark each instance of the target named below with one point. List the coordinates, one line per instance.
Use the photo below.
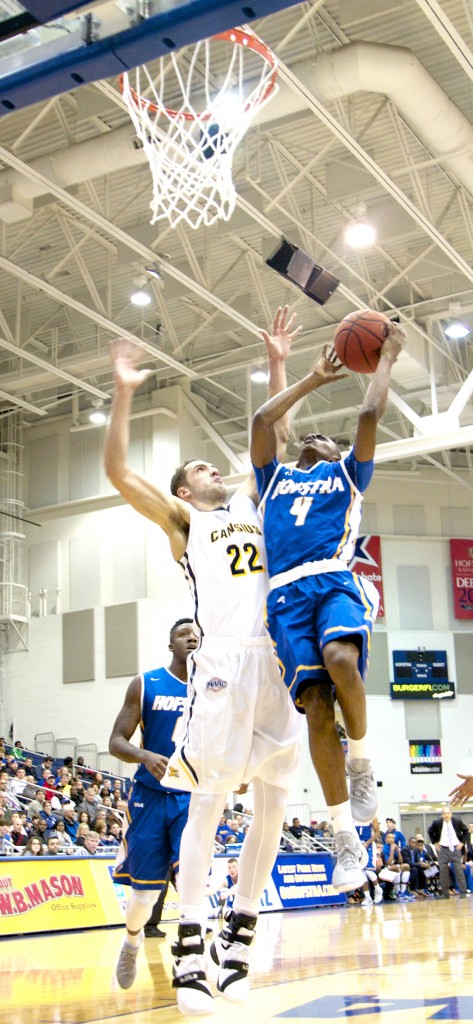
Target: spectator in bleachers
(47, 782)
(101, 828)
(117, 792)
(77, 792)
(17, 831)
(50, 817)
(5, 839)
(47, 763)
(90, 847)
(65, 840)
(29, 792)
(42, 830)
(2, 746)
(33, 847)
(83, 817)
(298, 830)
(11, 765)
(286, 844)
(37, 804)
(17, 750)
(52, 848)
(18, 782)
(88, 804)
(115, 830)
(81, 768)
(29, 766)
(82, 831)
(71, 822)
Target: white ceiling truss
(74, 232)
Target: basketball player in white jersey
(240, 724)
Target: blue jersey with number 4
(311, 514)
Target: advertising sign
(421, 675)
(53, 894)
(425, 757)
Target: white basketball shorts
(240, 722)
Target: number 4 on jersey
(300, 508)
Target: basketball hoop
(190, 116)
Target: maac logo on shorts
(216, 684)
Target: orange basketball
(358, 339)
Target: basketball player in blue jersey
(319, 614)
(240, 723)
(156, 816)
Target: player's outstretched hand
(328, 367)
(394, 342)
(283, 332)
(125, 358)
(155, 763)
(463, 791)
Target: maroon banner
(367, 562)
(461, 553)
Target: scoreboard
(421, 675)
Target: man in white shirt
(449, 834)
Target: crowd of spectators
(57, 807)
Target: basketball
(358, 339)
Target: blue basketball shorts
(305, 615)
(155, 821)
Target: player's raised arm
(374, 402)
(278, 344)
(171, 514)
(126, 722)
(263, 433)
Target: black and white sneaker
(230, 950)
(194, 997)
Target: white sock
(357, 749)
(342, 820)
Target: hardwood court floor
(400, 963)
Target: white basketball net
(190, 121)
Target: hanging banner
(366, 562)
(461, 554)
(425, 757)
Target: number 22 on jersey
(244, 560)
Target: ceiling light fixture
(140, 296)
(259, 376)
(360, 234)
(456, 329)
(98, 417)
